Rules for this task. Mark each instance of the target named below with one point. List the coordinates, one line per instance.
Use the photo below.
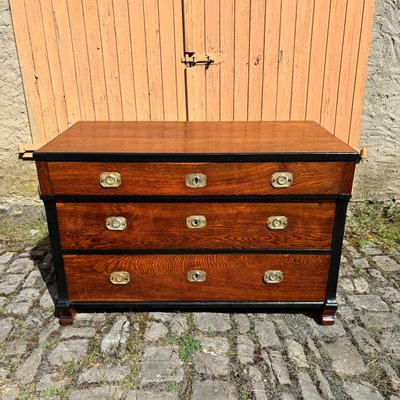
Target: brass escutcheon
(277, 222)
(196, 221)
(116, 223)
(273, 276)
(196, 180)
(110, 179)
(281, 179)
(120, 278)
(196, 275)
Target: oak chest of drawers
(227, 216)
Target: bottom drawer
(227, 277)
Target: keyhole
(196, 180)
(196, 222)
(196, 276)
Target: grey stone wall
(376, 179)
(379, 177)
(18, 182)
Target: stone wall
(18, 182)
(377, 179)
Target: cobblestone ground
(201, 356)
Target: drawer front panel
(101, 226)
(85, 178)
(224, 277)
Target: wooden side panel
(164, 277)
(317, 59)
(337, 20)
(285, 59)
(43, 177)
(241, 84)
(361, 73)
(256, 56)
(271, 59)
(302, 48)
(351, 45)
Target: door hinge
(191, 59)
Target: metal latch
(191, 59)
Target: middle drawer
(192, 225)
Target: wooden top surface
(194, 138)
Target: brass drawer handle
(196, 180)
(273, 276)
(196, 221)
(196, 275)
(110, 179)
(281, 179)
(120, 278)
(277, 222)
(116, 223)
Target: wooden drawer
(228, 277)
(165, 225)
(82, 178)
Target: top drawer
(191, 179)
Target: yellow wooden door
(122, 60)
(283, 60)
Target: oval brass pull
(273, 276)
(120, 278)
(281, 179)
(116, 223)
(196, 180)
(110, 179)
(277, 222)
(196, 275)
(196, 221)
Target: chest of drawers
(225, 216)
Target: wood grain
(43, 177)
(196, 138)
(163, 226)
(222, 178)
(164, 277)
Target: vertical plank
(302, 49)
(286, 56)
(212, 21)
(54, 65)
(242, 37)
(180, 67)
(110, 59)
(168, 59)
(347, 76)
(43, 79)
(66, 54)
(361, 74)
(28, 72)
(227, 35)
(256, 62)
(271, 57)
(317, 59)
(139, 59)
(333, 62)
(95, 54)
(127, 79)
(81, 58)
(154, 64)
(195, 76)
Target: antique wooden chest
(227, 216)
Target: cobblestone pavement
(201, 356)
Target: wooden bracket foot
(66, 317)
